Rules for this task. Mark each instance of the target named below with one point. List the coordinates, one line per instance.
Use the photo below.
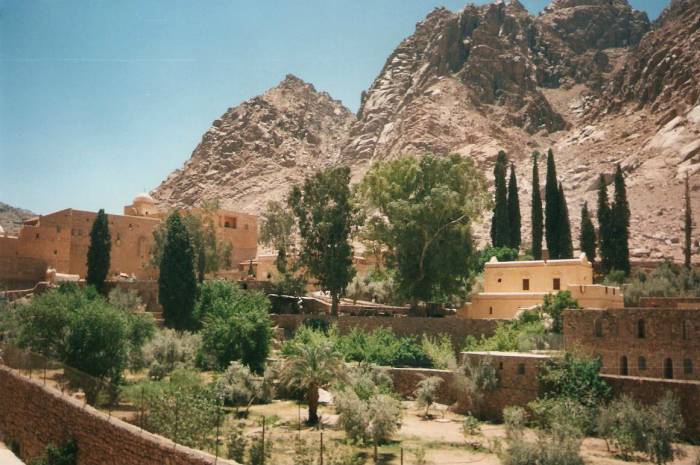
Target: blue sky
(102, 99)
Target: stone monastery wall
(32, 415)
(457, 328)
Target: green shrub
(236, 443)
(471, 426)
(66, 454)
(553, 306)
(305, 452)
(666, 280)
(236, 326)
(476, 378)
(182, 409)
(367, 381)
(631, 427)
(343, 455)
(375, 418)
(382, 347)
(239, 387)
(260, 451)
(562, 413)
(170, 350)
(440, 351)
(426, 392)
(503, 254)
(575, 377)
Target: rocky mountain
(11, 217)
(591, 79)
(254, 152)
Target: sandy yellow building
(512, 286)
(60, 241)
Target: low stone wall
(670, 302)
(517, 383)
(457, 328)
(32, 416)
(650, 390)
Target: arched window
(668, 368)
(623, 366)
(598, 328)
(641, 363)
(688, 366)
(641, 329)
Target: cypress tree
(565, 246)
(177, 283)
(688, 227)
(587, 239)
(513, 210)
(536, 211)
(620, 225)
(500, 227)
(604, 238)
(99, 251)
(552, 208)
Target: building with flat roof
(510, 287)
(60, 241)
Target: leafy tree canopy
(421, 210)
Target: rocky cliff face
(11, 217)
(254, 152)
(592, 79)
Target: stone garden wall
(31, 416)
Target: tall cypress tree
(688, 226)
(565, 246)
(586, 238)
(500, 225)
(99, 251)
(177, 282)
(604, 238)
(552, 208)
(513, 210)
(620, 224)
(536, 210)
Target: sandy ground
(7, 457)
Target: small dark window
(526, 284)
(499, 280)
(37, 235)
(55, 252)
(688, 366)
(556, 284)
(623, 366)
(490, 310)
(500, 365)
(598, 328)
(269, 276)
(642, 363)
(668, 368)
(520, 369)
(641, 329)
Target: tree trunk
(312, 399)
(334, 304)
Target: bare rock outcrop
(254, 152)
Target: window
(37, 236)
(490, 310)
(499, 280)
(598, 328)
(556, 284)
(520, 369)
(623, 366)
(526, 284)
(641, 329)
(688, 366)
(55, 252)
(500, 365)
(668, 368)
(230, 222)
(642, 363)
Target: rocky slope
(11, 217)
(254, 152)
(592, 79)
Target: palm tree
(313, 364)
